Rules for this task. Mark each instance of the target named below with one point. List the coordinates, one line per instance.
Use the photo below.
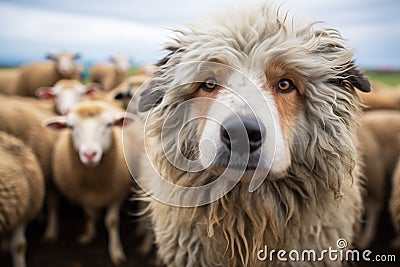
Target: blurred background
(98, 30)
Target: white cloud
(27, 23)
(82, 32)
(98, 28)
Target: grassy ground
(390, 78)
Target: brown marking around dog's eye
(216, 71)
(283, 84)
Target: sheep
(22, 117)
(66, 94)
(378, 140)
(121, 95)
(8, 81)
(21, 193)
(394, 204)
(127, 89)
(382, 97)
(89, 167)
(147, 70)
(109, 76)
(35, 75)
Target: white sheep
(21, 193)
(378, 139)
(22, 117)
(35, 75)
(109, 76)
(66, 94)
(89, 167)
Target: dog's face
(238, 95)
(245, 120)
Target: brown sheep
(380, 146)
(127, 89)
(21, 193)
(394, 204)
(381, 97)
(35, 75)
(89, 167)
(109, 76)
(8, 81)
(22, 117)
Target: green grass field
(390, 78)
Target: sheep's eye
(285, 86)
(109, 125)
(209, 84)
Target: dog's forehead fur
(248, 39)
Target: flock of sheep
(85, 162)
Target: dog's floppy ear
(349, 72)
(149, 98)
(358, 78)
(355, 76)
(152, 94)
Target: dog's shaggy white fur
(309, 201)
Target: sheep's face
(64, 63)
(122, 63)
(66, 94)
(91, 130)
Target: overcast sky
(98, 29)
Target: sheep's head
(64, 62)
(66, 94)
(91, 126)
(122, 63)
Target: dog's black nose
(235, 130)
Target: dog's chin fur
(246, 175)
(314, 201)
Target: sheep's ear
(45, 93)
(355, 76)
(76, 56)
(56, 123)
(123, 119)
(92, 88)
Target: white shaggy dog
(265, 107)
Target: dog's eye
(285, 86)
(209, 84)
